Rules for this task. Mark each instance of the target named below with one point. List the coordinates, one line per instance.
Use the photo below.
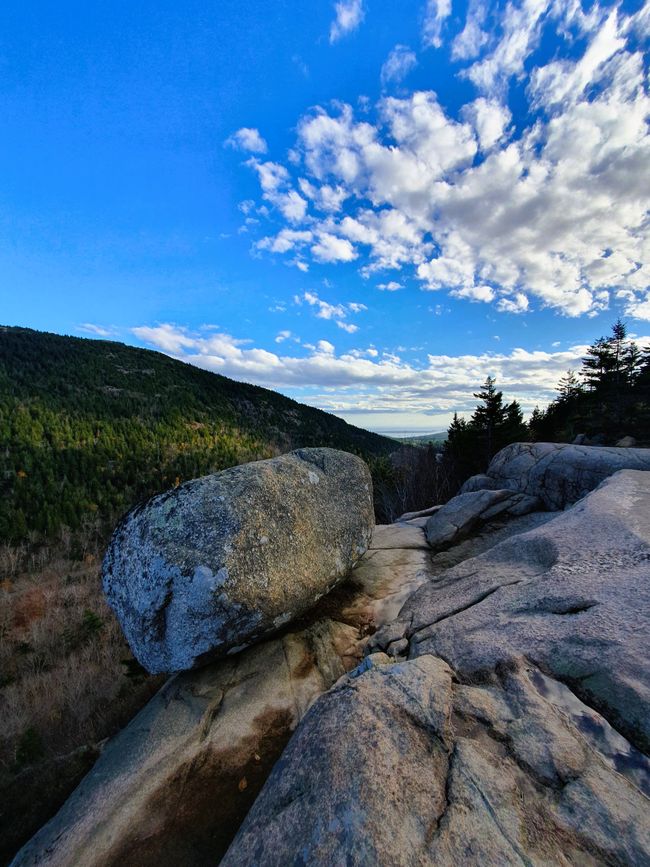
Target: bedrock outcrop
(514, 726)
(558, 474)
(173, 786)
(219, 562)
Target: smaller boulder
(626, 443)
(464, 513)
(481, 482)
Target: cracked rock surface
(220, 562)
(516, 731)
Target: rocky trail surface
(481, 699)
(513, 729)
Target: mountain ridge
(89, 427)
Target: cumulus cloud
(348, 16)
(276, 189)
(398, 64)
(330, 248)
(551, 214)
(365, 381)
(391, 286)
(489, 119)
(248, 139)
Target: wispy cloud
(398, 64)
(98, 330)
(338, 313)
(435, 15)
(348, 16)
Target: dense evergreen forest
(90, 427)
(606, 400)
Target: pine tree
(569, 387)
(598, 364)
(536, 425)
(513, 428)
(488, 416)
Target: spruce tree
(488, 416)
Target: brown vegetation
(67, 681)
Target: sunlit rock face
(512, 727)
(212, 566)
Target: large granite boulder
(467, 511)
(558, 474)
(516, 732)
(217, 563)
(173, 786)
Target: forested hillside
(89, 427)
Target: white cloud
(475, 293)
(98, 330)
(248, 139)
(330, 248)
(639, 309)
(521, 29)
(553, 214)
(282, 336)
(325, 197)
(564, 81)
(490, 120)
(325, 310)
(276, 189)
(517, 304)
(334, 312)
(472, 37)
(348, 16)
(398, 64)
(391, 286)
(363, 382)
(435, 15)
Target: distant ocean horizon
(401, 433)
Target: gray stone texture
(222, 561)
(173, 786)
(558, 474)
(467, 511)
(516, 731)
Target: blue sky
(366, 205)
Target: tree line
(607, 399)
